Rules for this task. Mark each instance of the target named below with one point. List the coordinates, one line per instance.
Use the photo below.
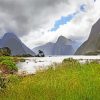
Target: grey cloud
(21, 16)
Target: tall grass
(68, 81)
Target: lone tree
(40, 54)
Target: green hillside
(68, 81)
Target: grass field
(68, 81)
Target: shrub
(18, 59)
(5, 51)
(7, 65)
(22, 60)
(3, 83)
(70, 60)
(95, 62)
(2, 58)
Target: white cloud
(31, 19)
(78, 29)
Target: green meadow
(69, 80)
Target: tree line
(5, 51)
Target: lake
(33, 64)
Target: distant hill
(92, 45)
(16, 46)
(63, 46)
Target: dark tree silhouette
(40, 54)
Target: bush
(71, 62)
(10, 65)
(95, 62)
(7, 65)
(5, 51)
(2, 58)
(3, 83)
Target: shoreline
(33, 64)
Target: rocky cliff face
(11, 41)
(63, 46)
(92, 45)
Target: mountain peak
(61, 38)
(9, 35)
(16, 46)
(63, 46)
(64, 40)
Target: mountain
(16, 46)
(92, 45)
(63, 46)
(47, 48)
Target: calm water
(33, 64)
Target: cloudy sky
(37, 22)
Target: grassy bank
(68, 81)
